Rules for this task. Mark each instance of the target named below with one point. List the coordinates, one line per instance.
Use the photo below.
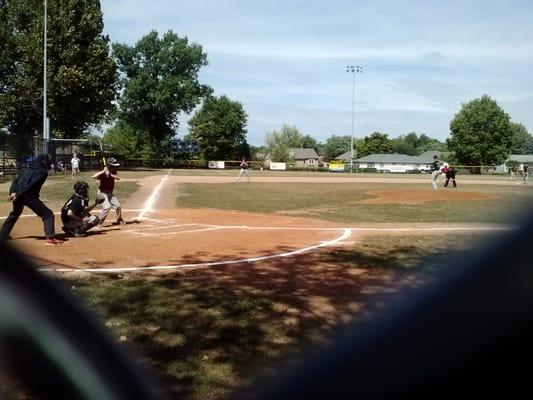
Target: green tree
(376, 143)
(279, 143)
(425, 143)
(219, 126)
(481, 133)
(309, 142)
(81, 74)
(335, 146)
(159, 81)
(412, 144)
(522, 140)
(127, 142)
(405, 144)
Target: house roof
(424, 158)
(303, 154)
(344, 156)
(521, 158)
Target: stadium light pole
(353, 69)
(45, 88)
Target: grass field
(207, 332)
(338, 202)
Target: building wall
(392, 167)
(308, 163)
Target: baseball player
(107, 178)
(75, 214)
(244, 170)
(435, 171)
(450, 174)
(25, 190)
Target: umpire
(25, 190)
(450, 174)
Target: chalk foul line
(346, 234)
(149, 203)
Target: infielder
(75, 214)
(107, 178)
(244, 170)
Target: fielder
(244, 170)
(75, 214)
(107, 178)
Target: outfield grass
(338, 202)
(206, 337)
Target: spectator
(75, 163)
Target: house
(393, 162)
(304, 158)
(518, 159)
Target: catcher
(75, 214)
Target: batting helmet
(112, 162)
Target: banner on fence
(336, 166)
(216, 164)
(278, 166)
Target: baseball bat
(102, 154)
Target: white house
(399, 163)
(304, 158)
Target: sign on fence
(336, 166)
(278, 166)
(216, 164)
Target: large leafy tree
(412, 144)
(81, 74)
(481, 133)
(220, 127)
(522, 140)
(123, 139)
(279, 143)
(335, 146)
(159, 80)
(375, 143)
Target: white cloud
(284, 60)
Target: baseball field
(215, 282)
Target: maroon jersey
(107, 183)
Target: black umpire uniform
(27, 188)
(450, 174)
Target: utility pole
(353, 69)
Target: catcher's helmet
(81, 189)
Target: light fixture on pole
(46, 136)
(353, 69)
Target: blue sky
(285, 61)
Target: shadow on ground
(209, 331)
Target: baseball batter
(107, 178)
